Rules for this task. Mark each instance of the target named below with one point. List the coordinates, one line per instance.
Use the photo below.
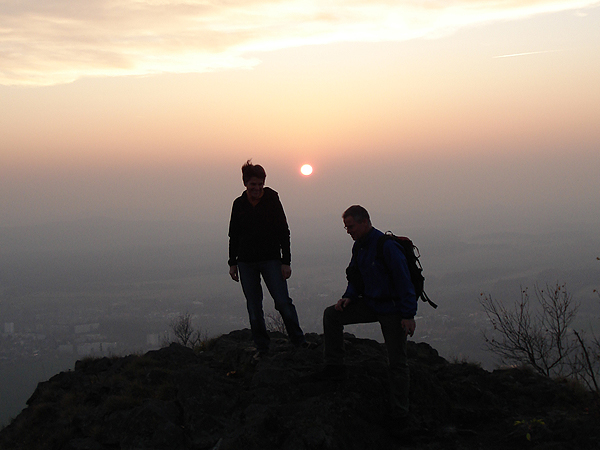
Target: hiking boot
(331, 372)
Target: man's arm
(355, 286)
(409, 326)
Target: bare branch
(184, 332)
(274, 322)
(588, 363)
(539, 337)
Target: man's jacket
(259, 233)
(387, 285)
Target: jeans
(395, 340)
(250, 274)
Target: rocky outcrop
(221, 399)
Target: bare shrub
(274, 322)
(538, 336)
(184, 331)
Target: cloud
(46, 43)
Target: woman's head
(250, 170)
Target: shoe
(329, 373)
(260, 354)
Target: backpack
(412, 255)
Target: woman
(259, 245)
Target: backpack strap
(426, 298)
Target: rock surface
(221, 399)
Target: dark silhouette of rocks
(220, 399)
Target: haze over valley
(103, 287)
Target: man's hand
(286, 271)
(342, 303)
(233, 273)
(409, 326)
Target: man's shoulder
(370, 241)
(374, 236)
(387, 242)
(376, 232)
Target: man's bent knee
(330, 313)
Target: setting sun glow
(306, 169)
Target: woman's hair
(358, 213)
(250, 170)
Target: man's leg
(250, 280)
(277, 286)
(333, 328)
(395, 341)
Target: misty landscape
(110, 287)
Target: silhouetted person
(378, 291)
(259, 245)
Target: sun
(306, 170)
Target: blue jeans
(250, 274)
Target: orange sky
(491, 106)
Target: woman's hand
(286, 271)
(233, 273)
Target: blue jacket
(387, 285)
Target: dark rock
(222, 399)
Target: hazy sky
(438, 110)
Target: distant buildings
(81, 341)
(87, 328)
(96, 348)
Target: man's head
(357, 222)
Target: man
(379, 290)
(259, 245)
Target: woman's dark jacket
(259, 233)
